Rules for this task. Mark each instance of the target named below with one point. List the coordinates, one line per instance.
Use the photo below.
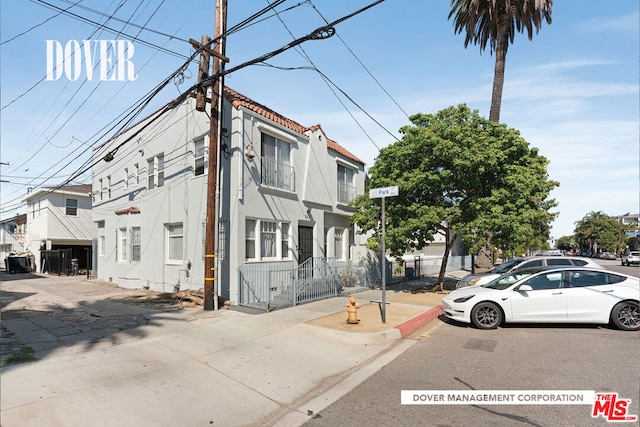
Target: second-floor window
(71, 208)
(276, 163)
(155, 171)
(346, 189)
(198, 167)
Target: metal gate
(271, 286)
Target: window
(174, 242)
(155, 171)
(273, 238)
(198, 166)
(285, 240)
(137, 166)
(339, 246)
(250, 239)
(135, 244)
(126, 177)
(71, 207)
(122, 255)
(346, 189)
(276, 163)
(552, 280)
(101, 187)
(109, 187)
(558, 261)
(101, 246)
(268, 239)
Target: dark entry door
(305, 243)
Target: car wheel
(486, 315)
(626, 316)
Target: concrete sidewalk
(102, 362)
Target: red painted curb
(419, 321)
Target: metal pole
(384, 269)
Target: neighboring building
(60, 218)
(629, 218)
(284, 194)
(12, 234)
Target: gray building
(284, 191)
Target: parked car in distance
(629, 258)
(520, 263)
(607, 255)
(549, 295)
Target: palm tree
(496, 21)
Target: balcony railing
(346, 192)
(277, 175)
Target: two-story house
(59, 218)
(283, 194)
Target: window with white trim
(136, 244)
(339, 243)
(198, 151)
(71, 207)
(126, 178)
(267, 240)
(155, 171)
(276, 163)
(109, 187)
(122, 237)
(346, 189)
(175, 239)
(102, 246)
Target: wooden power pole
(210, 259)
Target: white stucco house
(284, 190)
(12, 234)
(60, 218)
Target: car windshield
(503, 282)
(505, 267)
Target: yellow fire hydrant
(352, 310)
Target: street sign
(377, 193)
(627, 233)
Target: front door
(305, 243)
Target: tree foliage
(597, 231)
(459, 174)
(495, 22)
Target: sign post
(382, 193)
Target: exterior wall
(311, 202)
(129, 202)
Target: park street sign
(377, 193)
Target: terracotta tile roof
(126, 211)
(239, 100)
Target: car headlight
(473, 281)
(464, 299)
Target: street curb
(418, 321)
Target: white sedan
(549, 295)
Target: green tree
(458, 174)
(496, 22)
(565, 243)
(597, 231)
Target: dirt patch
(401, 308)
(165, 300)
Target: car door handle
(610, 290)
(557, 293)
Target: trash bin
(17, 264)
(409, 272)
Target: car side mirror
(525, 288)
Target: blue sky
(572, 91)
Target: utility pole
(210, 259)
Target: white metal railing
(346, 192)
(277, 175)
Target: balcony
(277, 175)
(346, 193)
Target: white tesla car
(549, 295)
